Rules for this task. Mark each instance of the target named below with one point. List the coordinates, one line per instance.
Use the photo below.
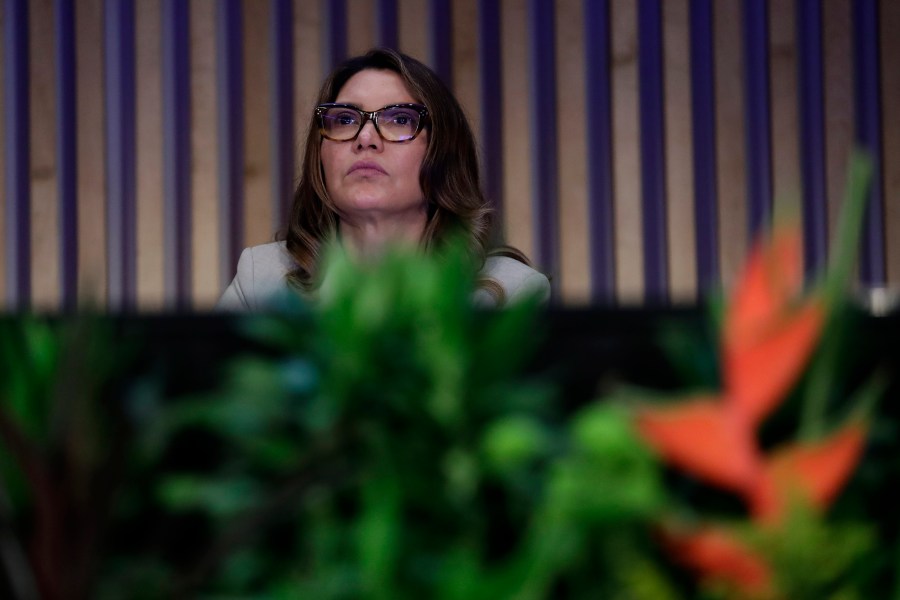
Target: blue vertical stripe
(119, 54)
(757, 115)
(230, 96)
(66, 152)
(703, 119)
(18, 164)
(335, 34)
(283, 134)
(598, 120)
(812, 134)
(544, 159)
(867, 66)
(441, 25)
(491, 103)
(653, 165)
(176, 152)
(388, 36)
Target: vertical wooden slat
(149, 157)
(543, 125)
(415, 30)
(308, 61)
(230, 84)
(18, 164)
(176, 152)
(335, 12)
(120, 152)
(838, 91)
(890, 103)
(757, 115)
(42, 129)
(205, 150)
(652, 150)
(283, 129)
(388, 32)
(66, 152)
(868, 134)
(361, 26)
(731, 138)
(703, 121)
(626, 154)
(784, 129)
(258, 160)
(491, 100)
(440, 20)
(517, 149)
(812, 134)
(91, 143)
(598, 123)
(574, 282)
(464, 77)
(681, 251)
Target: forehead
(372, 89)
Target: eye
(402, 117)
(346, 118)
(340, 117)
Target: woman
(390, 159)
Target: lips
(365, 167)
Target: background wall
(631, 147)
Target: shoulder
(260, 277)
(272, 258)
(517, 279)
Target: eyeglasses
(394, 123)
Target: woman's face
(368, 176)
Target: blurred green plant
(383, 442)
(61, 453)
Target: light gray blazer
(261, 278)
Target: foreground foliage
(385, 443)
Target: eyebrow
(359, 107)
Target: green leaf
(846, 241)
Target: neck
(366, 238)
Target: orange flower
(717, 556)
(760, 373)
(771, 278)
(815, 472)
(765, 343)
(703, 437)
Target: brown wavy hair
(448, 177)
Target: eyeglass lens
(395, 124)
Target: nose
(368, 136)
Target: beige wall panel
(679, 152)
(91, 150)
(575, 280)
(517, 214)
(362, 21)
(307, 67)
(626, 155)
(465, 82)
(2, 166)
(838, 90)
(414, 29)
(785, 129)
(890, 102)
(44, 197)
(257, 124)
(149, 196)
(730, 137)
(205, 283)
